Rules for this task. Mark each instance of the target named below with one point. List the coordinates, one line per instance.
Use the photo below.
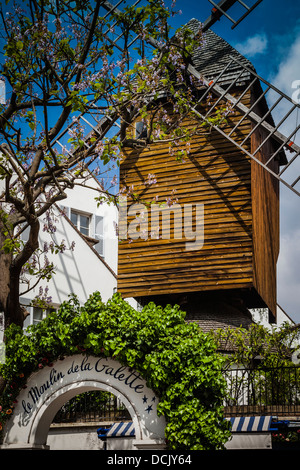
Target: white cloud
(289, 69)
(253, 45)
(288, 273)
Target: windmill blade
(96, 119)
(221, 8)
(99, 131)
(271, 131)
(102, 125)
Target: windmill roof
(214, 54)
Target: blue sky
(274, 24)
(270, 38)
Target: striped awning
(121, 430)
(250, 423)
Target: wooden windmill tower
(232, 176)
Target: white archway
(49, 388)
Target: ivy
(178, 361)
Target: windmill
(149, 272)
(253, 131)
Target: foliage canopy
(66, 64)
(178, 361)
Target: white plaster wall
(83, 199)
(74, 438)
(250, 441)
(261, 316)
(282, 317)
(79, 271)
(84, 438)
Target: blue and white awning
(121, 430)
(238, 424)
(250, 423)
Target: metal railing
(267, 391)
(258, 391)
(92, 407)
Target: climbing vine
(178, 361)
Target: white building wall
(81, 271)
(261, 316)
(84, 437)
(74, 437)
(83, 199)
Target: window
(99, 247)
(38, 314)
(90, 225)
(140, 130)
(81, 221)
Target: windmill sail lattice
(99, 123)
(96, 119)
(223, 6)
(278, 101)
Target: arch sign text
(49, 388)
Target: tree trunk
(5, 263)
(10, 269)
(3, 383)
(15, 313)
(9, 292)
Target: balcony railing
(258, 391)
(263, 391)
(92, 407)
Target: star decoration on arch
(145, 399)
(149, 409)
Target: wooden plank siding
(218, 175)
(265, 208)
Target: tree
(63, 59)
(262, 367)
(259, 346)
